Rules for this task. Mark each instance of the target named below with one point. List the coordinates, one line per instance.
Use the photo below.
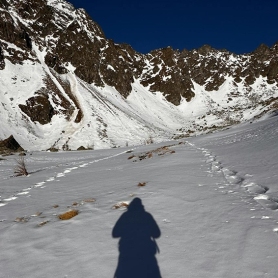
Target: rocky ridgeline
(72, 41)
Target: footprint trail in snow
(26, 192)
(233, 182)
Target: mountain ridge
(59, 70)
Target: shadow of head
(135, 204)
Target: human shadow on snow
(137, 231)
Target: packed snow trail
(43, 183)
(209, 226)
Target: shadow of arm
(155, 231)
(118, 228)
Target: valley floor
(214, 199)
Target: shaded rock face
(169, 75)
(39, 109)
(2, 62)
(72, 40)
(9, 145)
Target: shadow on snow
(137, 231)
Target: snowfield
(214, 199)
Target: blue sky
(239, 26)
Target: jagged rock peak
(72, 40)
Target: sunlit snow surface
(214, 198)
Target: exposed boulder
(39, 109)
(9, 145)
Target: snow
(214, 198)
(110, 67)
(110, 120)
(19, 81)
(41, 56)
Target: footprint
(23, 193)
(215, 166)
(228, 172)
(266, 201)
(39, 184)
(10, 199)
(59, 175)
(234, 179)
(232, 176)
(255, 188)
(211, 159)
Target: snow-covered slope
(64, 85)
(213, 197)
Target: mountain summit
(63, 84)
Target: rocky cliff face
(67, 49)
